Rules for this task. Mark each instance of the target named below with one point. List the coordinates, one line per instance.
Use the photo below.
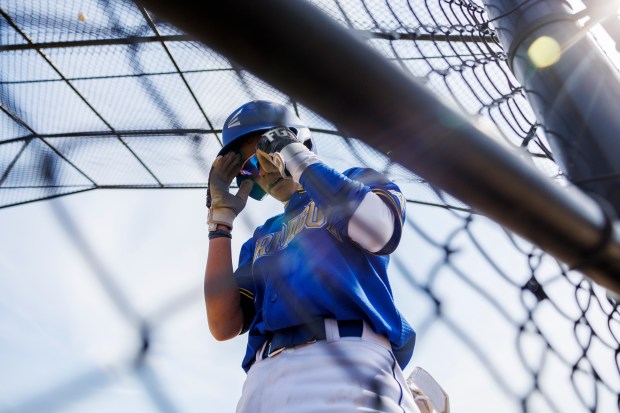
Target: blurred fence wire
(102, 94)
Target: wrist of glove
(297, 157)
(279, 150)
(220, 216)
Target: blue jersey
(301, 265)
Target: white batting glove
(427, 393)
(279, 150)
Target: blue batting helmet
(256, 116)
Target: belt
(308, 333)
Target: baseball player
(311, 287)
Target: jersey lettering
(262, 244)
(315, 218)
(311, 217)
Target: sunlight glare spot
(544, 51)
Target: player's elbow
(222, 328)
(223, 332)
(220, 335)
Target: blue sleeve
(339, 195)
(243, 275)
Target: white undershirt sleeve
(372, 223)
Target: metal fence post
(573, 88)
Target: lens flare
(544, 51)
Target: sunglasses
(251, 167)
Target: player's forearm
(221, 292)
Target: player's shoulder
(367, 176)
(269, 224)
(259, 232)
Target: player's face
(272, 183)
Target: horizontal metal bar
(95, 42)
(123, 76)
(430, 37)
(439, 37)
(114, 134)
(129, 133)
(128, 186)
(155, 132)
(190, 186)
(29, 201)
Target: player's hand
(276, 146)
(224, 206)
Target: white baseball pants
(336, 375)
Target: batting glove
(224, 206)
(278, 150)
(428, 395)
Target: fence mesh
(102, 94)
